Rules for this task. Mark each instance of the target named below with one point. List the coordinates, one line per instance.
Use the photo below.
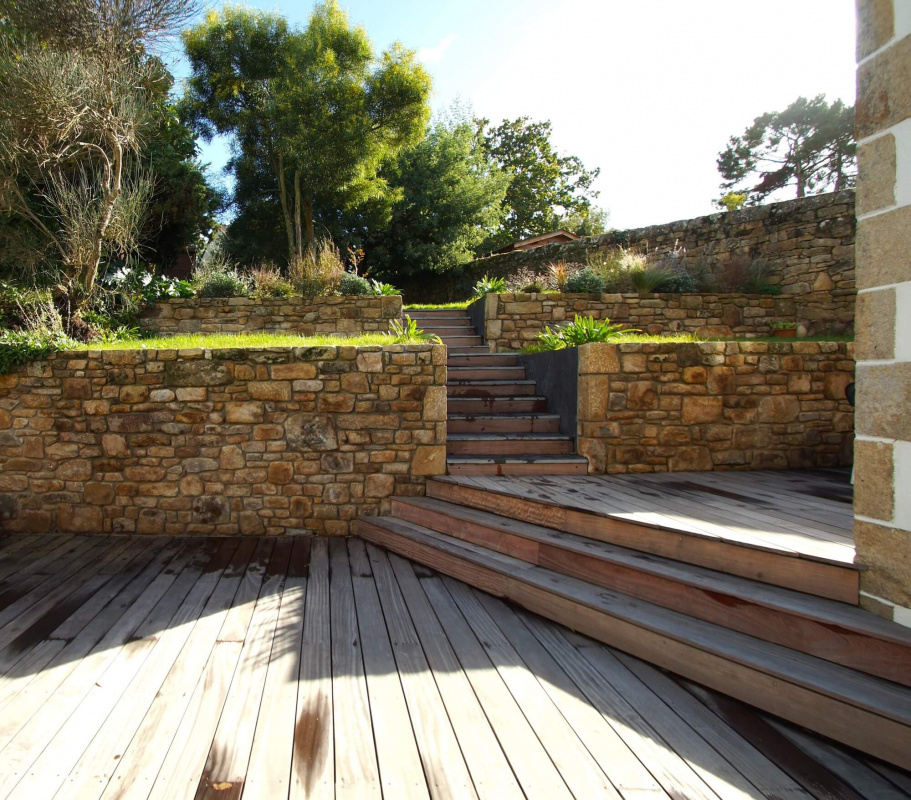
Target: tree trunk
(297, 212)
(286, 212)
(114, 180)
(308, 211)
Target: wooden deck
(801, 513)
(329, 668)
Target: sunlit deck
(328, 668)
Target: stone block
(593, 397)
(884, 400)
(355, 382)
(435, 404)
(197, 373)
(291, 372)
(239, 413)
(232, 457)
(642, 395)
(875, 25)
(250, 524)
(310, 432)
(599, 359)
(337, 402)
(691, 459)
(114, 446)
(873, 479)
(77, 389)
(429, 460)
(281, 472)
(876, 163)
(883, 242)
(370, 361)
(134, 394)
(875, 325)
(79, 519)
(885, 553)
(633, 362)
(884, 90)
(699, 410)
(275, 391)
(211, 509)
(337, 462)
(98, 494)
(778, 408)
(379, 485)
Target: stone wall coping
(192, 302)
(619, 297)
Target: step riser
(503, 425)
(492, 406)
(517, 469)
(803, 575)
(494, 374)
(504, 447)
(462, 340)
(467, 350)
(850, 648)
(444, 331)
(831, 716)
(461, 316)
(483, 361)
(476, 390)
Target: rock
(429, 460)
(305, 432)
(79, 519)
(698, 410)
(237, 413)
(212, 510)
(197, 372)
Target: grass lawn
(216, 341)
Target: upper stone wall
(239, 441)
(308, 316)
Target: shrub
(383, 289)
(268, 282)
(560, 273)
(582, 330)
(219, 279)
(319, 270)
(403, 333)
(42, 333)
(758, 280)
(585, 282)
(488, 285)
(528, 281)
(352, 284)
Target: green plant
(783, 326)
(528, 281)
(319, 270)
(758, 281)
(353, 285)
(559, 272)
(268, 282)
(582, 330)
(488, 285)
(219, 279)
(21, 347)
(647, 280)
(382, 289)
(408, 331)
(732, 201)
(585, 282)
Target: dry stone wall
(512, 321)
(308, 316)
(715, 406)
(244, 441)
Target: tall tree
(809, 146)
(448, 201)
(316, 107)
(544, 186)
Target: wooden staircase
(498, 424)
(778, 632)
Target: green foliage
(731, 201)
(758, 280)
(809, 146)
(318, 271)
(268, 282)
(651, 278)
(544, 187)
(586, 281)
(582, 330)
(447, 202)
(402, 333)
(382, 289)
(352, 284)
(21, 347)
(313, 112)
(219, 279)
(783, 326)
(488, 285)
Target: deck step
(503, 423)
(483, 360)
(491, 388)
(833, 631)
(865, 712)
(481, 444)
(516, 465)
(437, 313)
(486, 373)
(497, 405)
(467, 350)
(466, 339)
(834, 581)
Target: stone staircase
(498, 424)
(754, 624)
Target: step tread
(506, 415)
(517, 459)
(507, 437)
(872, 694)
(829, 611)
(492, 382)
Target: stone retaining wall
(512, 321)
(715, 406)
(243, 441)
(308, 316)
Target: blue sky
(647, 90)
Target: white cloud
(434, 55)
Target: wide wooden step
(819, 577)
(483, 360)
(445, 331)
(502, 423)
(460, 339)
(467, 350)
(516, 465)
(437, 313)
(868, 713)
(836, 632)
(497, 405)
(470, 444)
(486, 373)
(491, 388)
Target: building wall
(226, 442)
(341, 316)
(512, 321)
(882, 507)
(714, 406)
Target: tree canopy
(545, 187)
(313, 112)
(809, 146)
